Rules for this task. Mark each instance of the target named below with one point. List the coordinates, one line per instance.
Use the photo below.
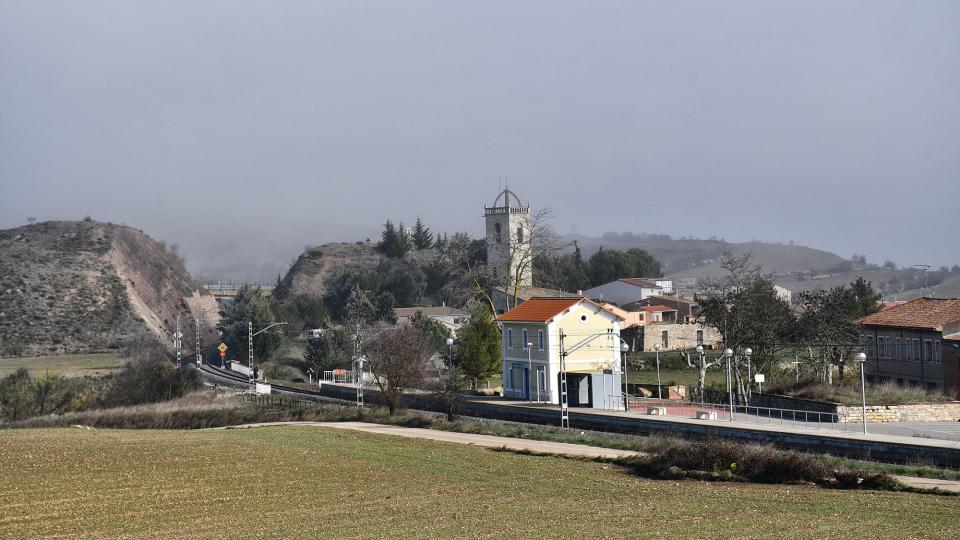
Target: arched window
(520, 234)
(499, 232)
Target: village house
(541, 332)
(915, 343)
(627, 290)
(452, 318)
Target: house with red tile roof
(545, 336)
(915, 343)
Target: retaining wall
(914, 412)
(836, 444)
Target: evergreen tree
(248, 305)
(433, 331)
(332, 350)
(477, 351)
(867, 299)
(393, 242)
(422, 237)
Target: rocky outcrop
(74, 287)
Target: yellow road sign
(222, 347)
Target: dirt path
(529, 445)
(487, 441)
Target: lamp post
(861, 358)
(624, 349)
(729, 354)
(449, 352)
(749, 352)
(656, 347)
(529, 373)
(700, 367)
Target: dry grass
(848, 393)
(313, 483)
(67, 365)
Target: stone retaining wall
(921, 412)
(948, 411)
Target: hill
(315, 266)
(82, 287)
(695, 258)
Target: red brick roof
(931, 313)
(542, 309)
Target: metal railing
(344, 376)
(739, 413)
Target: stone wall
(920, 412)
(914, 412)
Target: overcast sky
(268, 125)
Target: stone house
(916, 343)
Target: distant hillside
(312, 269)
(72, 287)
(695, 258)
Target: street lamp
(529, 373)
(729, 354)
(450, 352)
(700, 367)
(624, 349)
(656, 347)
(748, 352)
(861, 358)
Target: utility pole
(358, 366)
(250, 354)
(177, 343)
(199, 357)
(564, 405)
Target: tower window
(499, 232)
(520, 234)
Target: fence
(740, 413)
(338, 376)
(279, 401)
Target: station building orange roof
(542, 309)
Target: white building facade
(586, 336)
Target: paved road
(540, 447)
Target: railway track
(225, 377)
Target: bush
(848, 392)
(150, 381)
(730, 460)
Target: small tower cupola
(508, 240)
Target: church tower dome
(508, 240)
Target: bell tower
(509, 250)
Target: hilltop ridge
(86, 286)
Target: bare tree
(398, 358)
(744, 307)
(539, 241)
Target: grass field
(310, 483)
(671, 377)
(71, 365)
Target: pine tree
(478, 348)
(394, 243)
(422, 237)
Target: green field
(70, 365)
(686, 376)
(310, 483)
